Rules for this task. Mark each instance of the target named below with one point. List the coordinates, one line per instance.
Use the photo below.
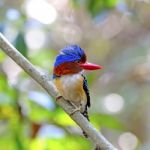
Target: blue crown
(70, 53)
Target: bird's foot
(85, 135)
(75, 110)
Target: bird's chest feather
(71, 87)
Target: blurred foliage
(67, 142)
(114, 33)
(96, 6)
(105, 120)
(20, 44)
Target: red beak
(90, 66)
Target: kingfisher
(69, 79)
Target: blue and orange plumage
(68, 77)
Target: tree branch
(96, 137)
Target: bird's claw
(58, 97)
(75, 110)
(75, 107)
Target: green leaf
(110, 3)
(20, 44)
(95, 6)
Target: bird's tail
(97, 148)
(85, 114)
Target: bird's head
(72, 59)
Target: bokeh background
(115, 34)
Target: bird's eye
(78, 61)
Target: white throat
(70, 80)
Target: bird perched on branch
(69, 79)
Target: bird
(69, 79)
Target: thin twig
(96, 137)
